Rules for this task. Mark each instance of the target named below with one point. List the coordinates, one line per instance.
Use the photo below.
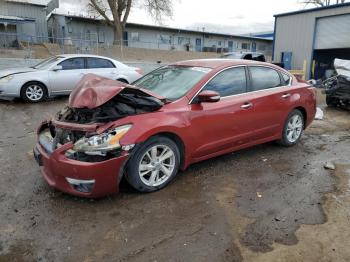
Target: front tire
(33, 92)
(154, 165)
(293, 128)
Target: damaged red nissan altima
(172, 117)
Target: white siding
(333, 32)
(295, 33)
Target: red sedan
(172, 117)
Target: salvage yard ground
(266, 203)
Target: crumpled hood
(12, 71)
(93, 91)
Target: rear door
(270, 96)
(224, 124)
(102, 67)
(63, 81)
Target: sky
(223, 16)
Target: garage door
(333, 32)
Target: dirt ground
(266, 203)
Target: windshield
(47, 62)
(172, 82)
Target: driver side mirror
(208, 96)
(57, 68)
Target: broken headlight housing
(103, 143)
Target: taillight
(139, 70)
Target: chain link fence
(26, 46)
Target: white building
(71, 28)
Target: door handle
(247, 105)
(285, 95)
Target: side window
(285, 79)
(263, 78)
(229, 82)
(99, 63)
(72, 63)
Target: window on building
(164, 39)
(219, 43)
(135, 37)
(101, 36)
(99, 63)
(72, 63)
(246, 46)
(229, 82)
(183, 40)
(263, 78)
(70, 29)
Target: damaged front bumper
(80, 178)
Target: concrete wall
(295, 33)
(26, 11)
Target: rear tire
(33, 92)
(154, 164)
(293, 128)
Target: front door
(198, 44)
(230, 46)
(63, 81)
(287, 60)
(225, 124)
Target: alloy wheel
(157, 165)
(34, 92)
(294, 128)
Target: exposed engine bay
(126, 103)
(95, 102)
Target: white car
(58, 75)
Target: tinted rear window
(263, 78)
(99, 63)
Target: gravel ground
(266, 203)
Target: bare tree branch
(96, 6)
(321, 3)
(120, 10)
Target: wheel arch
(123, 79)
(35, 82)
(178, 141)
(304, 112)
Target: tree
(322, 3)
(116, 12)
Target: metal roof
(30, 2)
(313, 9)
(14, 19)
(172, 29)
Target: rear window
(99, 63)
(263, 78)
(285, 79)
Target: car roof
(82, 55)
(218, 63)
